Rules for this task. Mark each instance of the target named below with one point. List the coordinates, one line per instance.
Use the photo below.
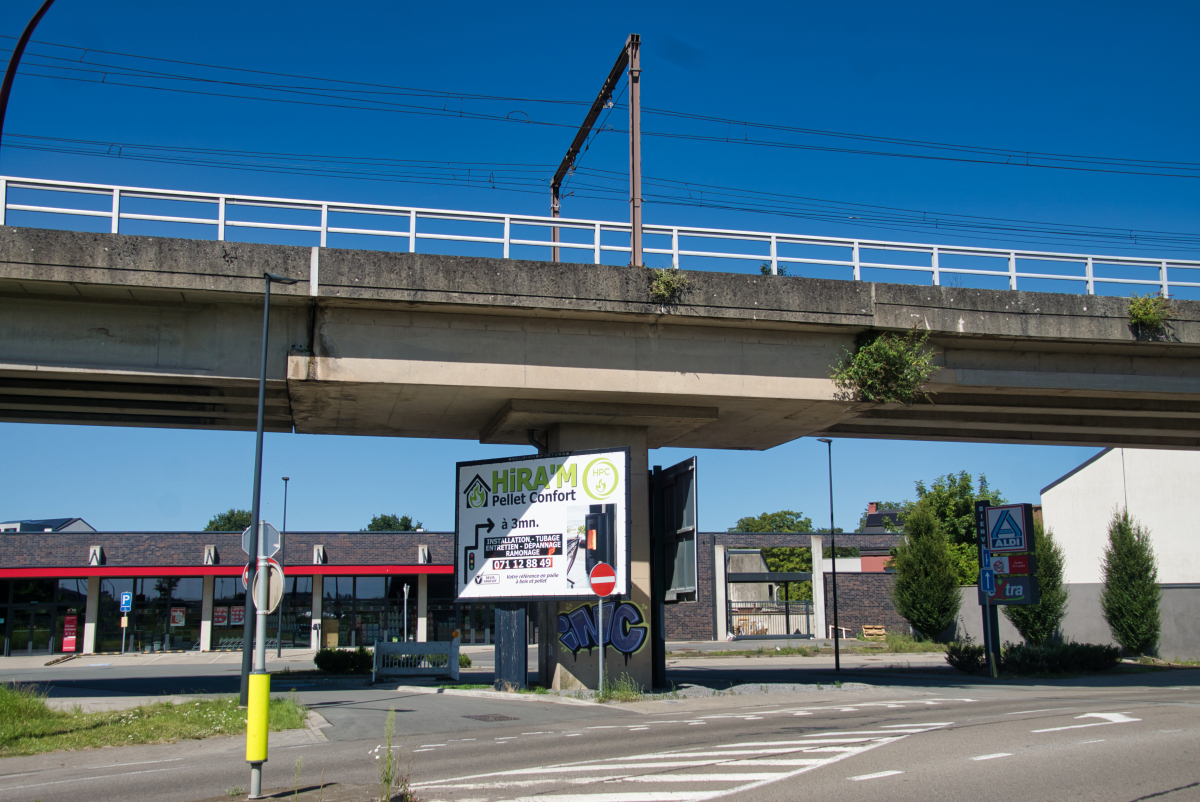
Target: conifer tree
(1039, 622)
(1130, 594)
(926, 589)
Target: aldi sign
(1009, 528)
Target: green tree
(1130, 594)
(951, 499)
(926, 588)
(391, 523)
(782, 521)
(1039, 622)
(229, 521)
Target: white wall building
(1158, 488)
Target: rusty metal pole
(635, 149)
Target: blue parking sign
(126, 601)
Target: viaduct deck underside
(132, 331)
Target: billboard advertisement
(532, 528)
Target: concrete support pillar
(818, 587)
(91, 615)
(317, 597)
(206, 608)
(567, 671)
(721, 623)
(422, 608)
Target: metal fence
(176, 213)
(766, 619)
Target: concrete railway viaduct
(111, 329)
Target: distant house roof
(48, 525)
(875, 522)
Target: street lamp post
(18, 50)
(254, 618)
(837, 654)
(282, 563)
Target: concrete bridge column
(557, 667)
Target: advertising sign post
(1007, 568)
(532, 529)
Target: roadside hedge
(344, 661)
(1024, 659)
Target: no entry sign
(603, 579)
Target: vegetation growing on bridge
(667, 285)
(1148, 314)
(887, 367)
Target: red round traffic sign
(603, 579)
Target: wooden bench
(874, 632)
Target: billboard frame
(587, 597)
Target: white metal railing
(855, 255)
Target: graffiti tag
(625, 629)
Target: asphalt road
(1117, 738)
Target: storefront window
(108, 629)
(296, 607)
(229, 606)
(337, 611)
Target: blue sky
(1107, 79)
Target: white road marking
(422, 750)
(1047, 710)
(992, 757)
(430, 746)
(1110, 718)
(875, 776)
(705, 778)
(1097, 741)
(88, 779)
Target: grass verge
(28, 726)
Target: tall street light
(837, 655)
(18, 51)
(283, 548)
(248, 622)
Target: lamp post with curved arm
(15, 60)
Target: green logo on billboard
(477, 493)
(600, 478)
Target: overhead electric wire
(608, 185)
(942, 151)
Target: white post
(314, 272)
(324, 224)
(818, 587)
(507, 234)
(221, 219)
(91, 612)
(318, 590)
(600, 637)
(722, 622)
(937, 276)
(675, 248)
(1012, 271)
(206, 608)
(405, 614)
(116, 212)
(412, 231)
(1091, 278)
(857, 269)
(3, 199)
(774, 256)
(422, 608)
(1162, 276)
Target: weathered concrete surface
(102, 328)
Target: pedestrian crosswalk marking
(732, 768)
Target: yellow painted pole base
(258, 717)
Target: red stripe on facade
(67, 572)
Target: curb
(500, 696)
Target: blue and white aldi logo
(1006, 528)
